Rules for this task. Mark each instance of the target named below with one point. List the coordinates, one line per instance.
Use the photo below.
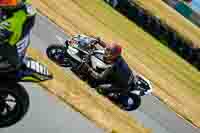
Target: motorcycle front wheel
(57, 54)
(14, 103)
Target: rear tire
(12, 93)
(124, 103)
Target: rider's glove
(98, 39)
(95, 39)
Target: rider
(17, 18)
(108, 69)
(113, 70)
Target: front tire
(14, 103)
(58, 55)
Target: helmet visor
(8, 3)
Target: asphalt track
(48, 115)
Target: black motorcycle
(14, 99)
(73, 54)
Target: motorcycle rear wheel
(14, 103)
(129, 102)
(123, 100)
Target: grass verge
(171, 17)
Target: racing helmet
(112, 52)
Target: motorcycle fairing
(35, 72)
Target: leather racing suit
(15, 28)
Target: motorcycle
(14, 99)
(72, 55)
